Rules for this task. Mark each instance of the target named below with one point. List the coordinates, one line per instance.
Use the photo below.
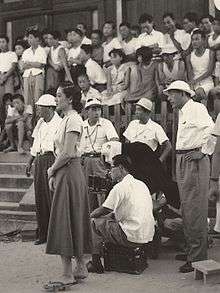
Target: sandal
(58, 286)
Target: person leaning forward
(43, 157)
(193, 145)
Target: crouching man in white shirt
(130, 220)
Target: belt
(92, 155)
(182, 152)
(45, 153)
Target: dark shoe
(94, 268)
(186, 268)
(39, 242)
(182, 257)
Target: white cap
(217, 4)
(145, 103)
(92, 102)
(46, 100)
(180, 85)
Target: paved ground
(25, 267)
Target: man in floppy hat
(193, 145)
(96, 132)
(43, 157)
(145, 130)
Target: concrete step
(15, 181)
(10, 206)
(28, 201)
(13, 157)
(28, 231)
(17, 215)
(12, 168)
(12, 194)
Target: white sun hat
(217, 4)
(180, 85)
(92, 102)
(145, 103)
(46, 100)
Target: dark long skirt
(69, 232)
(43, 195)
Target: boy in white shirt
(34, 60)
(8, 61)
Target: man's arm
(100, 212)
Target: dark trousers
(43, 195)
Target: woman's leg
(67, 276)
(81, 271)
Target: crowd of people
(52, 91)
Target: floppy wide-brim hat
(145, 103)
(92, 102)
(179, 85)
(46, 100)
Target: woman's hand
(52, 183)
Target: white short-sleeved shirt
(130, 47)
(131, 202)
(91, 94)
(114, 44)
(93, 137)
(6, 60)
(154, 38)
(212, 42)
(95, 72)
(72, 122)
(43, 134)
(216, 129)
(74, 52)
(194, 128)
(150, 133)
(38, 56)
(181, 36)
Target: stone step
(15, 181)
(28, 231)
(17, 215)
(10, 225)
(13, 157)
(12, 168)
(28, 201)
(12, 194)
(10, 206)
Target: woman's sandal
(58, 286)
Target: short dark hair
(192, 17)
(111, 23)
(86, 48)
(45, 31)
(35, 33)
(210, 17)
(83, 75)
(136, 28)
(127, 24)
(168, 14)
(122, 160)
(98, 32)
(21, 43)
(76, 30)
(73, 93)
(199, 32)
(83, 24)
(6, 97)
(145, 52)
(3, 36)
(56, 34)
(118, 52)
(18, 96)
(145, 18)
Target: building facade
(16, 15)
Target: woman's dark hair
(87, 49)
(199, 32)
(19, 97)
(35, 33)
(146, 54)
(118, 52)
(73, 93)
(98, 32)
(2, 36)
